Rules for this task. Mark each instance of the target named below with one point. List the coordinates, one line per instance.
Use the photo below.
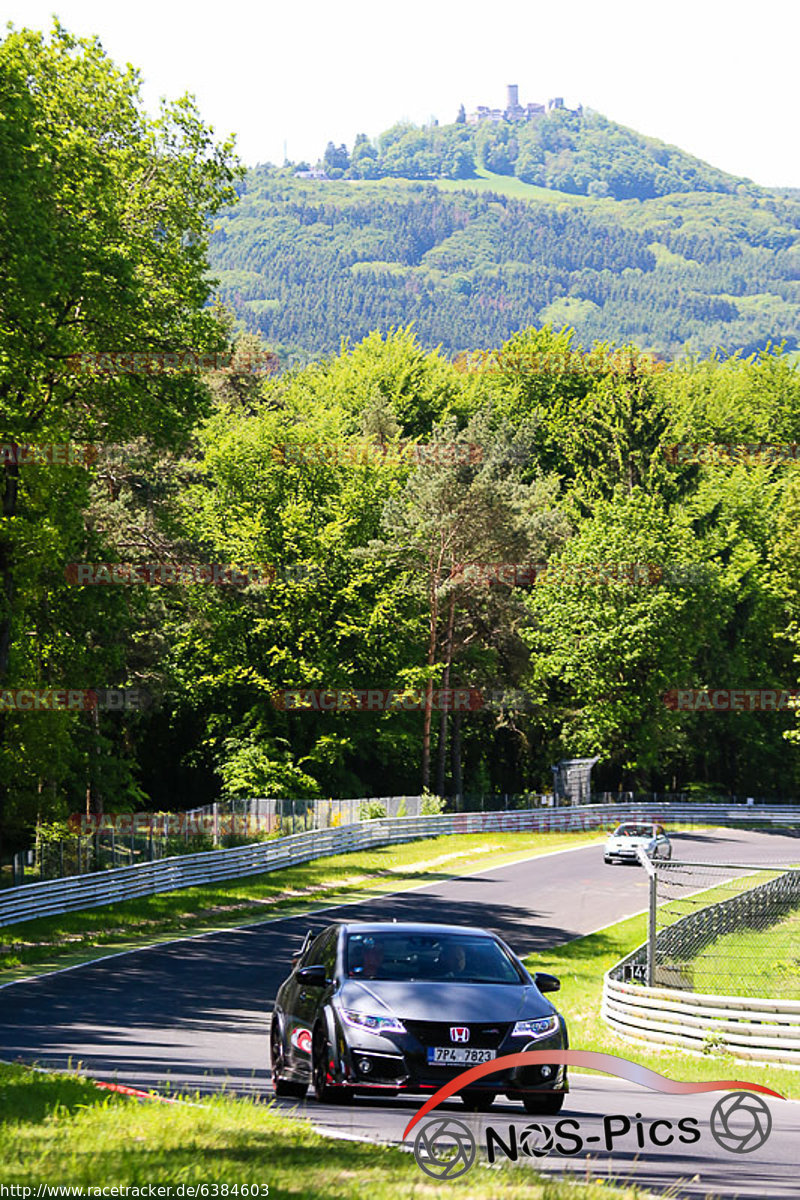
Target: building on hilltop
(514, 111)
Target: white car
(624, 843)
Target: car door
(289, 1001)
(305, 1000)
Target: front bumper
(398, 1062)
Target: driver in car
(373, 958)
(454, 961)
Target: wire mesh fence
(126, 839)
(725, 928)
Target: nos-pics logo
(446, 1148)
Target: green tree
(103, 245)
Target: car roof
(412, 927)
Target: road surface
(194, 1014)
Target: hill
(309, 264)
(582, 153)
(485, 245)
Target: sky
(715, 78)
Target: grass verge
(755, 962)
(581, 965)
(59, 1129)
(33, 947)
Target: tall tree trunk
(443, 715)
(10, 492)
(94, 795)
(433, 608)
(455, 756)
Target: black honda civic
(402, 1007)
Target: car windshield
(460, 958)
(633, 831)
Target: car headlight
(373, 1024)
(539, 1027)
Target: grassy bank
(57, 1129)
(581, 965)
(32, 947)
(753, 962)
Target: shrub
(371, 810)
(430, 805)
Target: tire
(478, 1101)
(320, 1055)
(285, 1089)
(545, 1103)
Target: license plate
(459, 1054)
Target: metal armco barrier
(760, 1029)
(31, 900)
(757, 1028)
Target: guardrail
(755, 1028)
(760, 1029)
(31, 900)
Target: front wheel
(545, 1103)
(320, 1064)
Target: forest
(306, 264)
(568, 530)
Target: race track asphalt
(194, 1014)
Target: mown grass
(31, 947)
(753, 962)
(581, 965)
(749, 962)
(58, 1129)
(509, 185)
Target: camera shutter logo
(536, 1140)
(459, 1033)
(740, 1122)
(444, 1148)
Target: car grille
(437, 1033)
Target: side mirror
(547, 983)
(315, 976)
